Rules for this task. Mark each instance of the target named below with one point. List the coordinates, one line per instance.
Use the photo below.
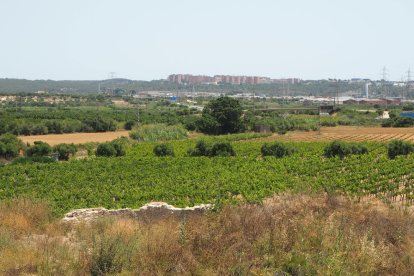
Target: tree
(221, 116)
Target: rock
(148, 212)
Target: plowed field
(76, 138)
(353, 134)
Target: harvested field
(76, 138)
(352, 134)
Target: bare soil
(76, 138)
(345, 133)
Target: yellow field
(76, 138)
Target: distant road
(76, 138)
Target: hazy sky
(150, 39)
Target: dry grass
(291, 234)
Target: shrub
(98, 125)
(222, 149)
(164, 150)
(34, 159)
(120, 146)
(65, 150)
(10, 146)
(278, 150)
(115, 148)
(201, 149)
(39, 148)
(342, 149)
(398, 147)
(105, 149)
(129, 124)
(218, 149)
(398, 122)
(158, 132)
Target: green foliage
(141, 177)
(129, 125)
(98, 125)
(34, 159)
(222, 149)
(221, 116)
(201, 149)
(39, 148)
(278, 150)
(164, 150)
(158, 132)
(120, 146)
(398, 147)
(10, 146)
(217, 149)
(106, 150)
(342, 149)
(398, 122)
(115, 148)
(65, 150)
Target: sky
(150, 39)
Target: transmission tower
(384, 77)
(408, 84)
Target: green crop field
(141, 177)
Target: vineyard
(140, 177)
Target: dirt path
(76, 138)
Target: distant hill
(305, 88)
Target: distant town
(226, 79)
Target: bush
(158, 132)
(98, 125)
(398, 147)
(39, 148)
(201, 149)
(218, 149)
(120, 146)
(342, 149)
(278, 150)
(129, 124)
(115, 148)
(65, 150)
(222, 149)
(105, 149)
(10, 146)
(34, 159)
(164, 150)
(398, 122)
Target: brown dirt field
(345, 133)
(76, 138)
